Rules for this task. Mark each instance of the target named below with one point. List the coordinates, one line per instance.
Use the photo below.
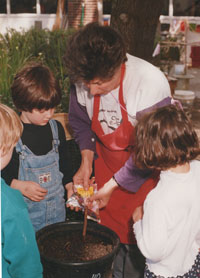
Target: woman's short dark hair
(94, 51)
(35, 87)
(165, 138)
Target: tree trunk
(137, 21)
(60, 15)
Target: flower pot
(70, 233)
(185, 97)
(179, 68)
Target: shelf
(180, 43)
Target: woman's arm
(84, 136)
(129, 176)
(81, 124)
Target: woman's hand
(30, 189)
(138, 214)
(104, 194)
(83, 174)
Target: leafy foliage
(18, 48)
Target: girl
(167, 228)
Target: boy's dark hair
(165, 138)
(94, 51)
(35, 87)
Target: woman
(111, 90)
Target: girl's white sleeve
(151, 231)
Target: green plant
(14, 53)
(18, 48)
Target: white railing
(169, 19)
(26, 21)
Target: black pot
(98, 268)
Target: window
(107, 6)
(29, 6)
(23, 6)
(165, 9)
(48, 6)
(187, 8)
(3, 7)
(183, 8)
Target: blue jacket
(20, 255)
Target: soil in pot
(71, 247)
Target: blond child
(20, 255)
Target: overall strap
(54, 129)
(19, 146)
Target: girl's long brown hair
(165, 138)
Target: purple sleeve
(129, 176)
(166, 101)
(81, 123)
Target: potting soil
(70, 247)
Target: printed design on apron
(121, 137)
(44, 170)
(113, 151)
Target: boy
(20, 256)
(40, 164)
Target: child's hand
(103, 195)
(30, 189)
(138, 214)
(34, 191)
(70, 191)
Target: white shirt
(169, 233)
(144, 85)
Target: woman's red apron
(113, 152)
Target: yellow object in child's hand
(80, 199)
(85, 193)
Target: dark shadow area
(3, 7)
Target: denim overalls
(43, 169)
